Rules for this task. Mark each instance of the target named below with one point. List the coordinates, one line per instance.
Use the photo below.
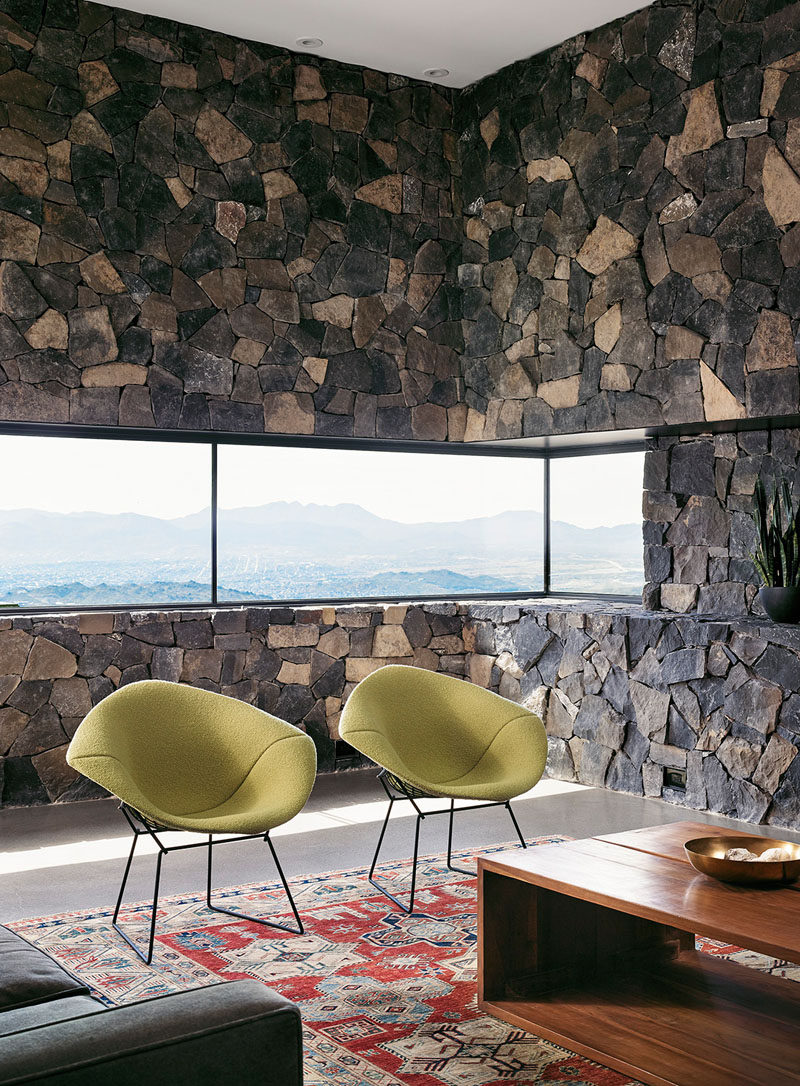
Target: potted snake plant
(777, 553)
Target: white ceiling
(472, 38)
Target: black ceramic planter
(781, 604)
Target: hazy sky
(170, 480)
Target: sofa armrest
(237, 1031)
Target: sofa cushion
(43, 1014)
(28, 976)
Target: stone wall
(698, 530)
(207, 233)
(632, 250)
(624, 694)
(296, 663)
(627, 695)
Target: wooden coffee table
(591, 945)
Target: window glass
(297, 523)
(92, 522)
(596, 523)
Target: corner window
(596, 524)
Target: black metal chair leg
(246, 916)
(407, 909)
(450, 865)
(516, 824)
(146, 958)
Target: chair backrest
(438, 725)
(185, 748)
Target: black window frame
(589, 445)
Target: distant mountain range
(296, 531)
(287, 550)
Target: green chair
(436, 735)
(182, 758)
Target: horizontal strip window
(101, 518)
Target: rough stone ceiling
(468, 37)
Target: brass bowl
(707, 855)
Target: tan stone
(781, 188)
(386, 192)
(490, 128)
(560, 393)
(337, 310)
(607, 243)
(295, 673)
(223, 140)
(549, 169)
(421, 288)
(682, 343)
(288, 413)
(113, 375)
(357, 668)
(479, 668)
(31, 178)
(158, 311)
(703, 127)
(50, 330)
(96, 623)
(316, 368)
(505, 284)
(87, 131)
(231, 217)
(478, 231)
(654, 255)
(694, 254)
(542, 263)
(308, 85)
(47, 660)
(792, 148)
(391, 641)
(100, 274)
(607, 328)
(476, 425)
(395, 613)
(719, 403)
(682, 207)
(174, 74)
(772, 345)
(715, 285)
(522, 348)
(369, 315)
(96, 81)
(14, 648)
(277, 184)
(300, 635)
(58, 160)
(593, 69)
(771, 90)
(180, 193)
(679, 598)
(615, 377)
(335, 643)
(19, 239)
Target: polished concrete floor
(63, 857)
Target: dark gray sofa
(52, 1031)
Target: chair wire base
(142, 827)
(396, 789)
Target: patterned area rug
(386, 999)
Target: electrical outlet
(675, 778)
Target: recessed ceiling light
(436, 73)
(309, 43)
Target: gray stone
(755, 705)
(683, 665)
(559, 760)
(599, 722)
(739, 757)
(530, 640)
(624, 776)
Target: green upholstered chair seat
(445, 736)
(190, 759)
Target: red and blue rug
(386, 999)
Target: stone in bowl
(707, 855)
